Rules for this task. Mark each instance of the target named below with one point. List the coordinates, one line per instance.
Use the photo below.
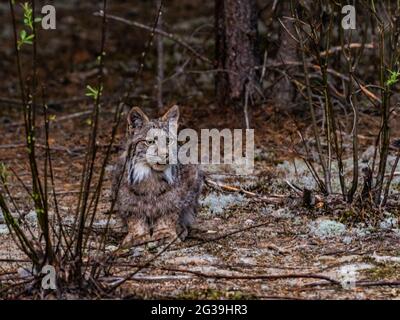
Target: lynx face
(150, 144)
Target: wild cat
(155, 198)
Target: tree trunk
(236, 49)
(287, 52)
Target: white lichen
(347, 240)
(361, 230)
(327, 228)
(389, 223)
(283, 213)
(216, 203)
(31, 217)
(296, 171)
(3, 229)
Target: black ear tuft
(136, 118)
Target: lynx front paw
(165, 229)
(165, 235)
(131, 240)
(138, 233)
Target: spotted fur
(154, 201)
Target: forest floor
(248, 248)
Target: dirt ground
(282, 249)
(248, 248)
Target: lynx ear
(172, 115)
(136, 118)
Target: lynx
(155, 198)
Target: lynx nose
(163, 154)
(164, 158)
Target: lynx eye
(150, 142)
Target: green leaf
(28, 15)
(93, 92)
(393, 79)
(3, 172)
(25, 39)
(90, 90)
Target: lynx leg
(186, 220)
(182, 231)
(165, 228)
(138, 232)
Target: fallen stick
(362, 283)
(228, 234)
(377, 283)
(113, 280)
(275, 199)
(73, 152)
(144, 266)
(270, 277)
(394, 174)
(60, 119)
(351, 46)
(51, 104)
